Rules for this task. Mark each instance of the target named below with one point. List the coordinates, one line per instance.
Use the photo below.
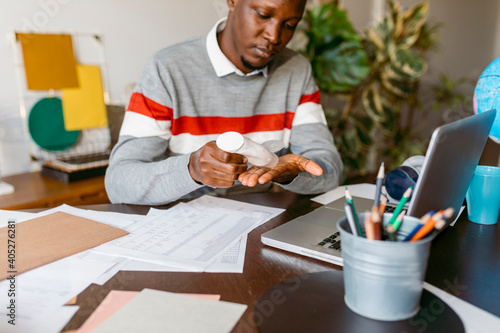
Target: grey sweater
(180, 103)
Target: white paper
(366, 191)
(117, 220)
(55, 322)
(190, 236)
(9, 215)
(41, 291)
(231, 261)
(117, 264)
(475, 320)
(228, 205)
(182, 237)
(458, 215)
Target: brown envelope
(48, 238)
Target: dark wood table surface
(464, 262)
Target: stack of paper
(206, 234)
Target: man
(240, 77)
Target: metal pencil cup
(383, 280)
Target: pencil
(392, 229)
(428, 226)
(400, 206)
(350, 218)
(446, 215)
(369, 226)
(383, 204)
(378, 184)
(391, 232)
(377, 223)
(351, 203)
(399, 220)
(423, 220)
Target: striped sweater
(180, 104)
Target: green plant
(447, 95)
(376, 77)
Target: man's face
(258, 29)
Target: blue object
(487, 95)
(399, 180)
(483, 196)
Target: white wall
(132, 31)
(468, 38)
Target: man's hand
(285, 171)
(214, 167)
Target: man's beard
(249, 65)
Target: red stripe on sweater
(216, 125)
(147, 107)
(314, 98)
(243, 125)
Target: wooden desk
(32, 190)
(464, 261)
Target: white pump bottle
(257, 154)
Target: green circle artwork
(46, 125)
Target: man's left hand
(288, 167)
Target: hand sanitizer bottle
(257, 154)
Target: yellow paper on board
(84, 107)
(49, 61)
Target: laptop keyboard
(332, 241)
(389, 209)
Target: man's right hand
(214, 167)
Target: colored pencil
(423, 220)
(383, 204)
(391, 232)
(377, 223)
(428, 226)
(369, 226)
(392, 229)
(351, 203)
(399, 220)
(401, 205)
(378, 185)
(448, 213)
(350, 218)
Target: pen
(378, 184)
(400, 206)
(351, 203)
(428, 226)
(350, 218)
(423, 220)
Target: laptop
(451, 158)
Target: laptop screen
(449, 164)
